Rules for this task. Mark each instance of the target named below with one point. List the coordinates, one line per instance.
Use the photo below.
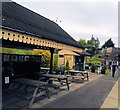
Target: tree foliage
(15, 51)
(45, 60)
(82, 42)
(55, 62)
(67, 65)
(91, 46)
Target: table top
(29, 82)
(54, 76)
(43, 68)
(75, 71)
(81, 72)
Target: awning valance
(28, 39)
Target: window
(27, 58)
(8, 33)
(3, 33)
(13, 34)
(22, 36)
(37, 59)
(32, 58)
(6, 57)
(14, 57)
(21, 58)
(61, 56)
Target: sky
(80, 18)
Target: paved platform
(91, 95)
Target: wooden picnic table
(32, 83)
(60, 78)
(45, 69)
(75, 73)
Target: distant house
(115, 54)
(111, 51)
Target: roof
(83, 53)
(21, 19)
(109, 43)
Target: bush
(103, 70)
(45, 60)
(67, 65)
(55, 62)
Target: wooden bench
(32, 83)
(78, 74)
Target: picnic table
(74, 73)
(43, 69)
(32, 83)
(60, 78)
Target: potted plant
(67, 65)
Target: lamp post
(86, 56)
(105, 54)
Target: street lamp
(105, 54)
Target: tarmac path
(91, 95)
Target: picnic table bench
(78, 74)
(61, 79)
(32, 83)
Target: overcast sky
(80, 18)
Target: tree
(93, 45)
(15, 51)
(67, 65)
(45, 60)
(82, 42)
(97, 43)
(55, 61)
(93, 41)
(89, 42)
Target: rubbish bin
(62, 69)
